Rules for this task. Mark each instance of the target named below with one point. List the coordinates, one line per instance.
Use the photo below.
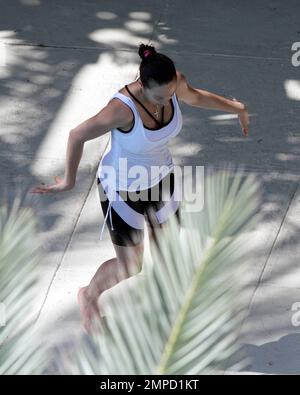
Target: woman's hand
(244, 119)
(59, 186)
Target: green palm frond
(185, 315)
(20, 352)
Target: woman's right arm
(114, 115)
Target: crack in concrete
(170, 51)
(94, 171)
(273, 245)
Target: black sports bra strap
(131, 94)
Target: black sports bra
(160, 124)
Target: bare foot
(89, 309)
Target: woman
(142, 117)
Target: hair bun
(146, 50)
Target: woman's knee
(130, 258)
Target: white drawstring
(110, 217)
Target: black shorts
(124, 234)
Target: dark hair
(155, 66)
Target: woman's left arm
(204, 99)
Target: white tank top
(140, 146)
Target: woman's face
(160, 94)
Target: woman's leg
(128, 243)
(127, 263)
(152, 230)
